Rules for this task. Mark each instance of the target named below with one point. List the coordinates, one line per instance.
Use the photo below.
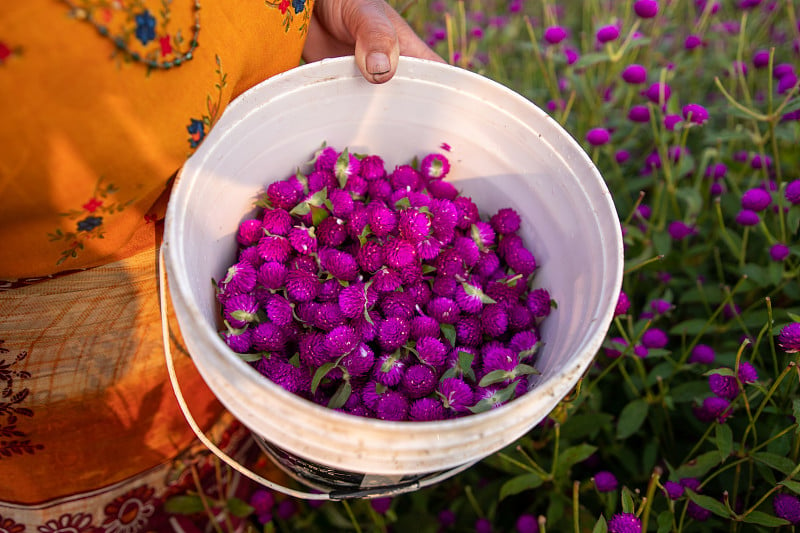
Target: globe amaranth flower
(723, 386)
(658, 93)
(435, 166)
(393, 333)
(792, 192)
(655, 338)
(598, 136)
(571, 55)
(679, 230)
(692, 41)
(605, 481)
(674, 490)
(713, 408)
(624, 523)
(418, 381)
(747, 373)
(555, 34)
(787, 506)
(639, 113)
(268, 337)
(645, 9)
(634, 74)
(756, 199)
(249, 232)
(527, 523)
(426, 409)
(695, 113)
(339, 264)
(761, 58)
(455, 394)
(779, 252)
(505, 221)
(239, 342)
(340, 341)
(747, 217)
(789, 338)
(672, 120)
(539, 302)
(607, 33)
(623, 304)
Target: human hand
(369, 29)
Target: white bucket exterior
(506, 152)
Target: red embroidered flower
(130, 512)
(9, 526)
(92, 205)
(166, 45)
(284, 6)
(5, 51)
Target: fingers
(377, 45)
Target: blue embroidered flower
(298, 5)
(89, 223)
(145, 27)
(196, 131)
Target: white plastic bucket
(506, 152)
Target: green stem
(352, 516)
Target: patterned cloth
(91, 437)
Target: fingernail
(378, 63)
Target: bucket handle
(233, 463)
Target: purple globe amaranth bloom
(645, 9)
(658, 93)
(639, 113)
(723, 386)
(792, 192)
(623, 304)
(418, 381)
(787, 506)
(702, 354)
(695, 113)
(624, 523)
(435, 166)
(393, 333)
(655, 338)
(634, 74)
(392, 405)
(505, 221)
(539, 302)
(426, 409)
(674, 490)
(571, 55)
(605, 481)
(747, 372)
(608, 33)
(787, 83)
(679, 230)
(615, 347)
(249, 232)
(747, 217)
(782, 69)
(622, 156)
(598, 136)
(641, 351)
(701, 514)
(671, 120)
(789, 338)
(761, 59)
(692, 41)
(527, 523)
(779, 252)
(713, 408)
(555, 34)
(756, 199)
(483, 525)
(455, 394)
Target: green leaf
(689, 391)
(724, 438)
(627, 501)
(587, 60)
(318, 214)
(778, 462)
(402, 203)
(572, 456)
(793, 220)
(699, 466)
(631, 418)
(796, 412)
(693, 326)
(664, 522)
(600, 526)
(239, 507)
(449, 332)
(321, 372)
(342, 163)
(341, 395)
(474, 291)
(722, 371)
(250, 357)
(184, 504)
(495, 399)
(793, 486)
(520, 483)
(585, 425)
(662, 242)
(707, 502)
(764, 519)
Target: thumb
(377, 46)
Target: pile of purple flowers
(382, 293)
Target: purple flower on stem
(779, 252)
(756, 199)
(713, 408)
(527, 523)
(655, 338)
(598, 136)
(435, 166)
(674, 490)
(658, 93)
(723, 386)
(605, 481)
(695, 113)
(702, 354)
(679, 230)
(555, 34)
(789, 338)
(392, 405)
(747, 217)
(761, 58)
(645, 9)
(623, 304)
(792, 192)
(455, 394)
(607, 33)
(634, 74)
(670, 121)
(624, 523)
(787, 506)
(639, 113)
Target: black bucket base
(343, 484)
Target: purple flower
(747, 372)
(483, 525)
(268, 337)
(792, 192)
(393, 333)
(756, 199)
(283, 194)
(301, 286)
(340, 341)
(340, 265)
(435, 166)
(692, 42)
(787, 506)
(413, 225)
(747, 217)
(658, 93)
(505, 221)
(641, 351)
(607, 33)
(455, 394)
(621, 156)
(789, 338)
(494, 320)
(392, 405)
(701, 514)
(655, 338)
(695, 113)
(674, 490)
(360, 361)
(670, 121)
(779, 252)
(555, 34)
(238, 342)
(646, 9)
(431, 351)
(605, 481)
(249, 232)
(679, 230)
(240, 309)
(426, 409)
(418, 381)
(713, 408)
(639, 113)
(634, 74)
(388, 370)
(527, 523)
(399, 253)
(761, 58)
(571, 55)
(598, 136)
(723, 386)
(539, 302)
(623, 304)
(444, 310)
(624, 523)
(615, 347)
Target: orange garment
(91, 437)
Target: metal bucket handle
(376, 492)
